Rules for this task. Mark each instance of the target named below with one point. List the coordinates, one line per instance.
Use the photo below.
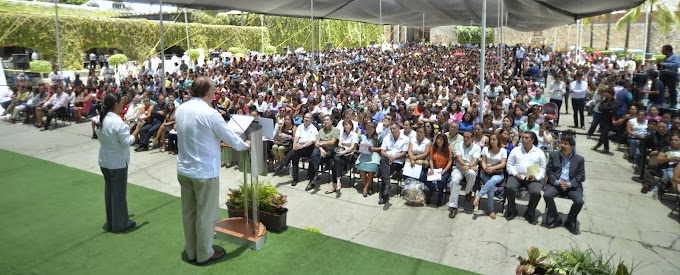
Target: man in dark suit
(566, 174)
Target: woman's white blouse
(115, 140)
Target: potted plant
(533, 264)
(272, 212)
(235, 202)
(274, 215)
(585, 262)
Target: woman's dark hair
(109, 102)
(444, 150)
(374, 137)
(534, 137)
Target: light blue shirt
(671, 62)
(566, 162)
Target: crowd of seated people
(379, 110)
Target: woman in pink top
(83, 104)
(455, 115)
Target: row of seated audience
(462, 156)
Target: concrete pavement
(616, 217)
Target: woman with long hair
(114, 157)
(441, 157)
(467, 124)
(505, 140)
(283, 139)
(83, 104)
(346, 146)
(494, 158)
(418, 150)
(368, 161)
(478, 136)
(455, 115)
(167, 125)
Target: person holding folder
(526, 168)
(441, 159)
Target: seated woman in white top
(418, 150)
(344, 152)
(636, 128)
(493, 166)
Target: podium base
(235, 230)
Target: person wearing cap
(566, 173)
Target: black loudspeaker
(372, 42)
(21, 61)
(329, 45)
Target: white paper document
(412, 171)
(365, 149)
(437, 175)
(239, 123)
(267, 127)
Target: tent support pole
(160, 3)
(381, 24)
(312, 31)
(482, 61)
(186, 27)
(501, 54)
(56, 19)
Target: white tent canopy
(523, 15)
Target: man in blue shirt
(566, 173)
(669, 72)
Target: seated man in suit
(566, 173)
(525, 155)
(324, 152)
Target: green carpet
(51, 218)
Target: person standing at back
(669, 73)
(114, 158)
(200, 129)
(578, 88)
(519, 58)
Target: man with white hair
(130, 116)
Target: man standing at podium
(200, 128)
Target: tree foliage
(194, 54)
(137, 38)
(74, 2)
(40, 66)
(116, 59)
(19, 8)
(296, 32)
(473, 35)
(663, 15)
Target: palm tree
(663, 15)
